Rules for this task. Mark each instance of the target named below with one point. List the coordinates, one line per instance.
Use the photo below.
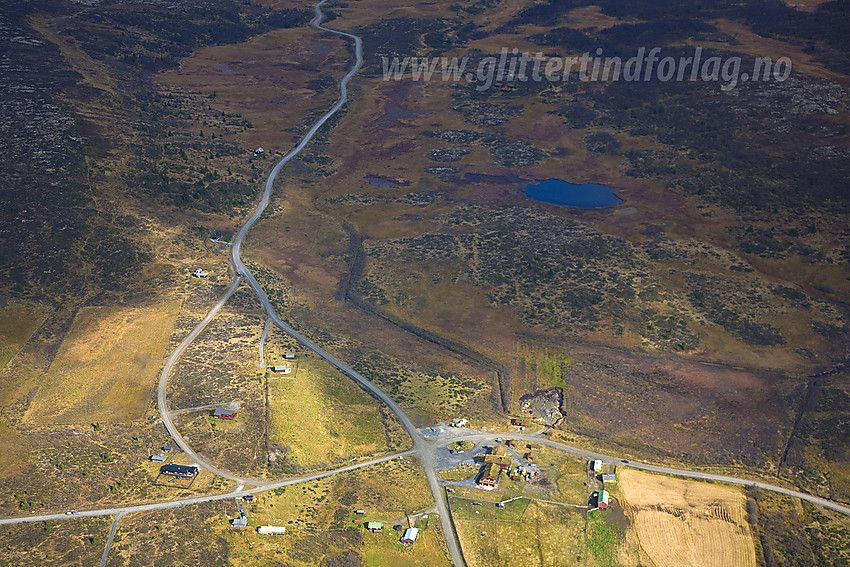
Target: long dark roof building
(182, 471)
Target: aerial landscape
(474, 283)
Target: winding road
(244, 273)
(424, 448)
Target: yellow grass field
(687, 523)
(106, 367)
(322, 416)
(14, 450)
(18, 321)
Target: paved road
(239, 492)
(537, 438)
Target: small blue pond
(582, 195)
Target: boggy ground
(730, 247)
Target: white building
(198, 273)
(271, 529)
(410, 535)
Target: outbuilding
(374, 526)
(609, 477)
(158, 458)
(602, 500)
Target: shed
(289, 356)
(158, 458)
(410, 535)
(281, 369)
(602, 500)
(609, 477)
(166, 448)
(374, 526)
(224, 413)
(597, 465)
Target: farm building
(180, 471)
(158, 458)
(410, 535)
(281, 369)
(597, 466)
(490, 476)
(289, 356)
(224, 413)
(240, 522)
(602, 500)
(499, 456)
(609, 477)
(374, 526)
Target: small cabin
(224, 413)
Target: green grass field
(463, 509)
